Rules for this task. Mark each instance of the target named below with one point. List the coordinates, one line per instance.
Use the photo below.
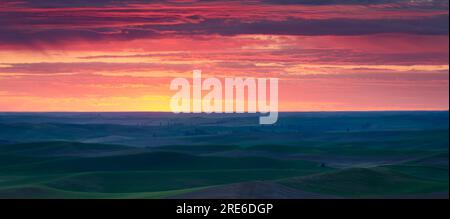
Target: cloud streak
(55, 21)
(112, 55)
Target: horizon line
(312, 111)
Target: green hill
(156, 161)
(59, 148)
(361, 182)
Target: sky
(329, 55)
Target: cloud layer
(334, 55)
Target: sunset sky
(330, 55)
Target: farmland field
(158, 155)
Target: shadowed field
(306, 155)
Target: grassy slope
(44, 192)
(117, 182)
(150, 175)
(366, 183)
(422, 176)
(162, 174)
(153, 161)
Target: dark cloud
(55, 36)
(88, 67)
(293, 56)
(74, 3)
(437, 4)
(387, 76)
(331, 2)
(117, 23)
(359, 2)
(437, 25)
(103, 3)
